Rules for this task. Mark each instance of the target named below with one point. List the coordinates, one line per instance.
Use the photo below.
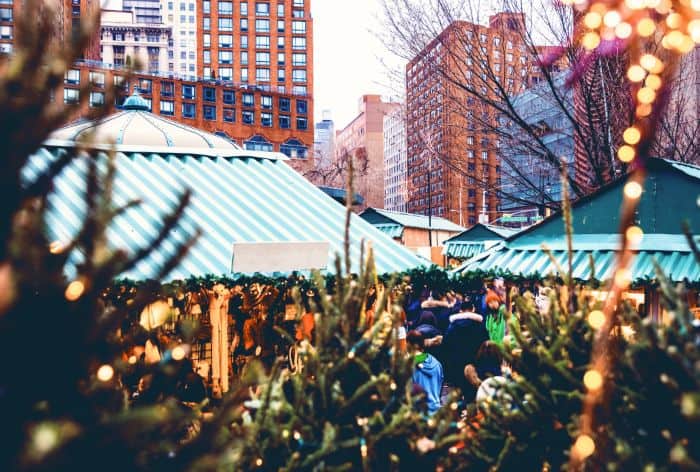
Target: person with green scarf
(495, 317)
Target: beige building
(363, 138)
(124, 40)
(395, 162)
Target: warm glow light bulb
(674, 20)
(646, 95)
(593, 380)
(623, 278)
(636, 73)
(653, 81)
(592, 20)
(626, 153)
(634, 4)
(596, 319)
(633, 190)
(590, 40)
(74, 290)
(584, 446)
(646, 27)
(687, 44)
(623, 30)
(179, 353)
(634, 235)
(694, 30)
(674, 39)
(105, 373)
(56, 247)
(648, 61)
(643, 110)
(632, 135)
(612, 18)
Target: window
(97, 99)
(244, 58)
(225, 24)
(298, 13)
(280, 58)
(280, 26)
(299, 27)
(299, 75)
(225, 73)
(145, 85)
(72, 77)
(167, 107)
(209, 94)
(302, 107)
(262, 58)
(209, 112)
(248, 100)
(281, 76)
(280, 42)
(229, 115)
(206, 7)
(229, 97)
(206, 56)
(70, 95)
(188, 92)
(285, 121)
(262, 75)
(225, 8)
(266, 119)
(262, 42)
(266, 102)
(6, 32)
(206, 40)
(206, 23)
(244, 8)
(299, 59)
(188, 110)
(244, 24)
(225, 40)
(302, 123)
(258, 143)
(298, 4)
(120, 83)
(244, 74)
(294, 149)
(97, 78)
(248, 117)
(244, 42)
(484, 155)
(299, 43)
(225, 57)
(285, 104)
(167, 89)
(262, 26)
(280, 9)
(262, 9)
(470, 140)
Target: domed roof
(134, 128)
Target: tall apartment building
(145, 11)
(363, 138)
(453, 165)
(181, 16)
(324, 141)
(260, 43)
(123, 40)
(395, 163)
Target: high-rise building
(124, 41)
(324, 141)
(145, 11)
(182, 17)
(363, 139)
(395, 189)
(453, 165)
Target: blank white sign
(279, 256)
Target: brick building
(452, 156)
(363, 138)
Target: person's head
(467, 305)
(416, 339)
(493, 301)
(427, 318)
(489, 354)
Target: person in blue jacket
(427, 371)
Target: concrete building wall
(395, 188)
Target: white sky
(346, 57)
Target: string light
(105, 373)
(674, 39)
(633, 190)
(593, 380)
(592, 20)
(363, 448)
(653, 81)
(623, 277)
(632, 135)
(646, 27)
(623, 30)
(259, 462)
(646, 95)
(393, 386)
(297, 435)
(74, 290)
(596, 319)
(56, 247)
(179, 353)
(584, 446)
(674, 20)
(643, 110)
(687, 45)
(45, 438)
(694, 30)
(590, 40)
(285, 433)
(636, 73)
(634, 235)
(626, 153)
(651, 63)
(351, 355)
(634, 4)
(132, 360)
(612, 18)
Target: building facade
(324, 141)
(395, 188)
(452, 158)
(363, 139)
(182, 17)
(124, 41)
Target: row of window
(225, 7)
(261, 42)
(261, 58)
(261, 26)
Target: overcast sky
(346, 63)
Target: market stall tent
(238, 196)
(475, 240)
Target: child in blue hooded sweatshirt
(427, 371)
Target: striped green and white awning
(463, 250)
(234, 199)
(392, 230)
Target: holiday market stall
(670, 197)
(254, 211)
(473, 241)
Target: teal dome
(135, 102)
